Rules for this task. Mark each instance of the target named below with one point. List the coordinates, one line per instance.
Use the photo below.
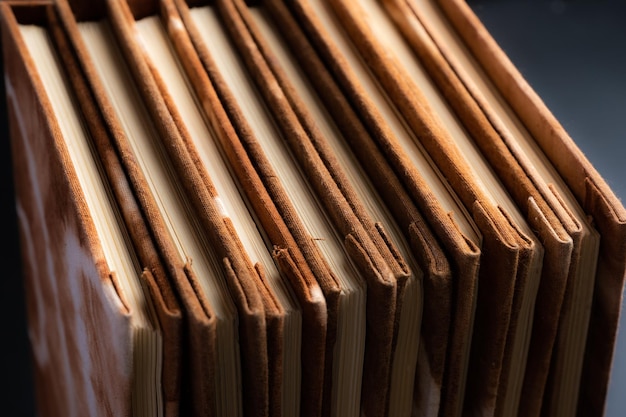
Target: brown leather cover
(79, 326)
(199, 344)
(358, 243)
(500, 318)
(549, 219)
(241, 277)
(590, 189)
(463, 254)
(296, 256)
(339, 197)
(437, 279)
(444, 278)
(155, 278)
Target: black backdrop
(572, 52)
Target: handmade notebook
(85, 276)
(390, 324)
(437, 280)
(510, 149)
(521, 256)
(590, 190)
(247, 313)
(310, 207)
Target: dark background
(572, 52)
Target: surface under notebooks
(591, 191)
(384, 318)
(564, 299)
(463, 256)
(505, 306)
(94, 333)
(231, 314)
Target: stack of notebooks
(301, 208)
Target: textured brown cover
(267, 388)
(79, 326)
(462, 253)
(287, 254)
(200, 341)
(437, 270)
(508, 252)
(542, 208)
(155, 278)
(592, 192)
(590, 189)
(296, 256)
(358, 243)
(316, 156)
(243, 279)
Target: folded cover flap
(609, 216)
(167, 306)
(607, 299)
(200, 376)
(275, 325)
(462, 252)
(171, 325)
(253, 346)
(436, 321)
(239, 271)
(500, 269)
(321, 180)
(71, 300)
(320, 144)
(314, 285)
(554, 277)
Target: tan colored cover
(79, 326)
(551, 221)
(463, 255)
(590, 189)
(495, 322)
(156, 280)
(437, 279)
(317, 157)
(199, 368)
